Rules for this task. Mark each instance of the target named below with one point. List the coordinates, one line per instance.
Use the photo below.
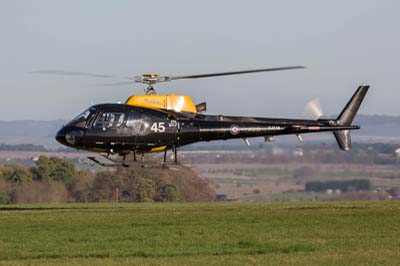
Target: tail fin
(346, 117)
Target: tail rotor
(312, 110)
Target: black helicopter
(158, 123)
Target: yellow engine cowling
(177, 103)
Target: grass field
(346, 233)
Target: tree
(143, 190)
(105, 184)
(43, 169)
(48, 169)
(63, 170)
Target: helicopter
(152, 123)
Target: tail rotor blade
(312, 110)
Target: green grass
(347, 233)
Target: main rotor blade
(234, 72)
(118, 83)
(70, 73)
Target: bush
(4, 198)
(41, 192)
(16, 173)
(169, 193)
(81, 189)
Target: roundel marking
(235, 130)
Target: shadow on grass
(241, 249)
(64, 207)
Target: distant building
(298, 152)
(397, 152)
(277, 151)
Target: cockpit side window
(108, 120)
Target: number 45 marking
(158, 127)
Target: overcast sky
(342, 43)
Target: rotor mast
(149, 79)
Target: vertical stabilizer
(350, 110)
(346, 117)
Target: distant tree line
(361, 153)
(342, 185)
(22, 147)
(57, 180)
(378, 153)
(33, 147)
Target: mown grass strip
(197, 232)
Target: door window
(135, 121)
(108, 120)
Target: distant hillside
(30, 131)
(374, 128)
(378, 125)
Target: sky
(342, 43)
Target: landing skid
(111, 162)
(147, 164)
(96, 161)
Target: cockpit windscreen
(82, 118)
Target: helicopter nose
(61, 136)
(69, 136)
